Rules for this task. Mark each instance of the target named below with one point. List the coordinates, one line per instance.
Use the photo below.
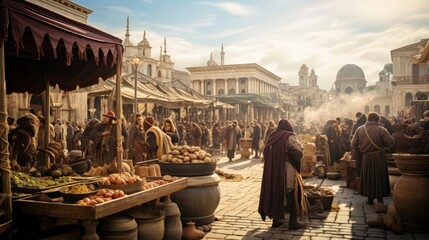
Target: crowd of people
(369, 137)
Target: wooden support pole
(119, 110)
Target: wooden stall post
(4, 144)
(119, 110)
(46, 161)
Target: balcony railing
(411, 80)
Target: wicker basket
(326, 201)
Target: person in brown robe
(281, 181)
(136, 140)
(372, 140)
(196, 134)
(398, 134)
(233, 135)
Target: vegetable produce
(23, 180)
(186, 154)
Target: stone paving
(239, 219)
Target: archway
(220, 92)
(36, 103)
(377, 109)
(367, 109)
(387, 111)
(348, 90)
(231, 91)
(408, 99)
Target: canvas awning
(40, 44)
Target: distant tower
(303, 76)
(127, 42)
(211, 61)
(144, 47)
(222, 56)
(312, 79)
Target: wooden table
(88, 215)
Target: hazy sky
(279, 35)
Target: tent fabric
(38, 43)
(148, 92)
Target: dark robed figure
(281, 182)
(372, 140)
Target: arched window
(209, 83)
(348, 90)
(159, 74)
(209, 92)
(243, 90)
(377, 109)
(366, 110)
(387, 110)
(149, 70)
(231, 91)
(220, 92)
(408, 99)
(243, 81)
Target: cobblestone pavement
(239, 219)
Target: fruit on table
(119, 179)
(103, 195)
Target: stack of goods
(308, 162)
(56, 170)
(345, 162)
(148, 170)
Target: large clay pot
(411, 192)
(199, 200)
(117, 227)
(172, 223)
(150, 222)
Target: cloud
(120, 9)
(232, 8)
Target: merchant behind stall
(157, 142)
(104, 138)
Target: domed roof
(350, 72)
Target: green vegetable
(23, 180)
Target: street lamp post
(135, 62)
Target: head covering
(285, 125)
(110, 114)
(426, 113)
(149, 120)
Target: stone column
(214, 90)
(226, 86)
(237, 85)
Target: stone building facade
(410, 78)
(230, 82)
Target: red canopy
(41, 44)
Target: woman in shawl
(281, 181)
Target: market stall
(40, 49)
(88, 215)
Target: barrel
(63, 232)
(117, 227)
(199, 200)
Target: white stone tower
(303, 76)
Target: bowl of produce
(76, 192)
(126, 182)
